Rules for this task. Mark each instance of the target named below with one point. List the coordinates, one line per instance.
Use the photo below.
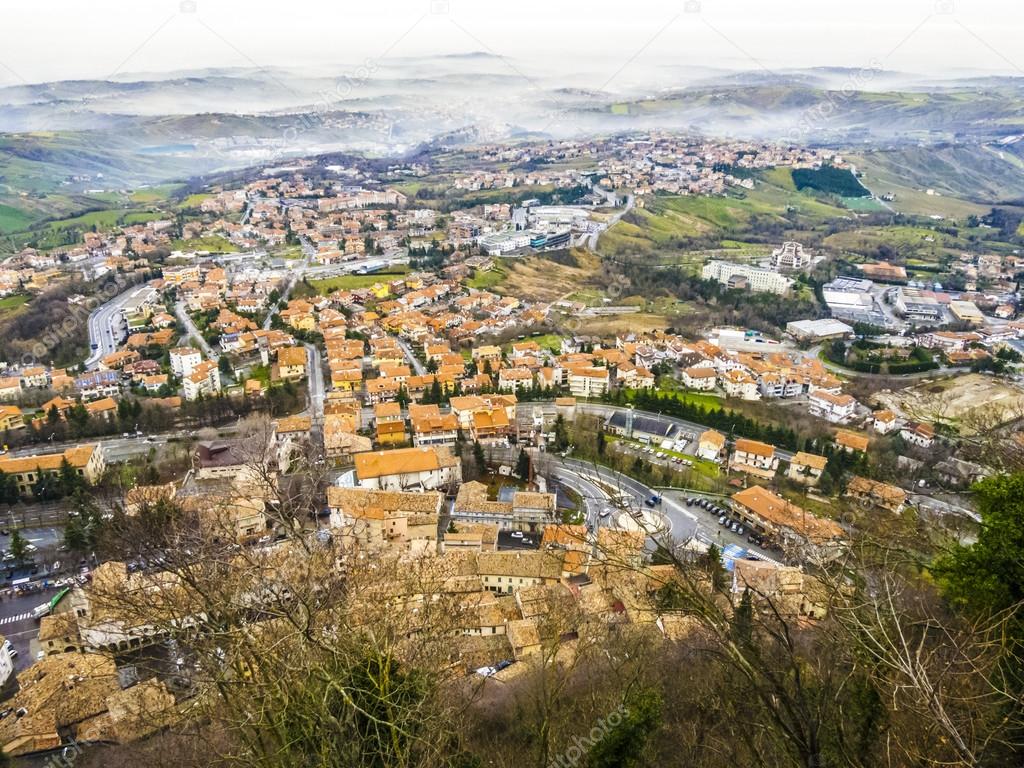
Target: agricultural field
(688, 229)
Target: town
(320, 367)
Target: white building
(791, 256)
(184, 360)
(741, 384)
(588, 381)
(700, 378)
(754, 458)
(204, 380)
(6, 662)
(836, 408)
(745, 276)
(498, 243)
(428, 468)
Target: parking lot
(672, 457)
(719, 512)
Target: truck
(41, 610)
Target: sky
(614, 42)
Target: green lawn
(9, 304)
(485, 281)
(213, 243)
(671, 387)
(354, 282)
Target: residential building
(86, 460)
(884, 422)
(754, 458)
(837, 409)
(427, 468)
(509, 572)
(777, 519)
(374, 519)
(525, 512)
(703, 379)
(741, 384)
(291, 363)
(431, 427)
(184, 360)
(588, 380)
(806, 468)
(851, 441)
(878, 494)
(711, 446)
(921, 435)
(203, 380)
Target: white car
(517, 534)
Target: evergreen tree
(19, 547)
(523, 465)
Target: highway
(107, 327)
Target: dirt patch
(964, 402)
(540, 279)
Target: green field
(13, 219)
(486, 281)
(212, 243)
(354, 282)
(9, 304)
(680, 229)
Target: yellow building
(86, 460)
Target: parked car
(721, 520)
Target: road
(315, 377)
(595, 236)
(17, 624)
(683, 524)
(193, 331)
(107, 327)
(309, 252)
(418, 368)
(943, 370)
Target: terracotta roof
(402, 461)
(781, 513)
(848, 439)
(812, 460)
(755, 447)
